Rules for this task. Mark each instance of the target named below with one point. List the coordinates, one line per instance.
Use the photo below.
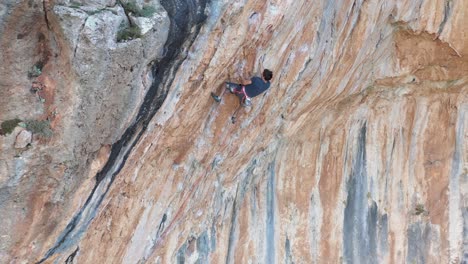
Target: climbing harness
(246, 101)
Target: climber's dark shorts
(237, 90)
(236, 86)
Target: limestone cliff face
(357, 154)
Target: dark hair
(267, 74)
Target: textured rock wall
(86, 86)
(357, 154)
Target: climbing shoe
(215, 97)
(231, 90)
(247, 102)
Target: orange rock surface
(357, 154)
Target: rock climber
(246, 90)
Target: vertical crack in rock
(457, 211)
(161, 225)
(287, 248)
(72, 256)
(194, 246)
(126, 12)
(447, 11)
(353, 16)
(382, 234)
(44, 6)
(419, 245)
(464, 248)
(187, 17)
(388, 163)
(359, 221)
(253, 203)
(79, 37)
(242, 188)
(270, 220)
(181, 254)
(203, 248)
(326, 36)
(232, 230)
(213, 236)
(372, 232)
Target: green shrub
(8, 126)
(132, 7)
(95, 11)
(419, 209)
(74, 4)
(148, 11)
(128, 33)
(36, 70)
(39, 127)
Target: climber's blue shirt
(257, 87)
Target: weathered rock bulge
(66, 68)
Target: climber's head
(267, 74)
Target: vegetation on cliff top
(39, 127)
(132, 7)
(128, 32)
(8, 126)
(132, 31)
